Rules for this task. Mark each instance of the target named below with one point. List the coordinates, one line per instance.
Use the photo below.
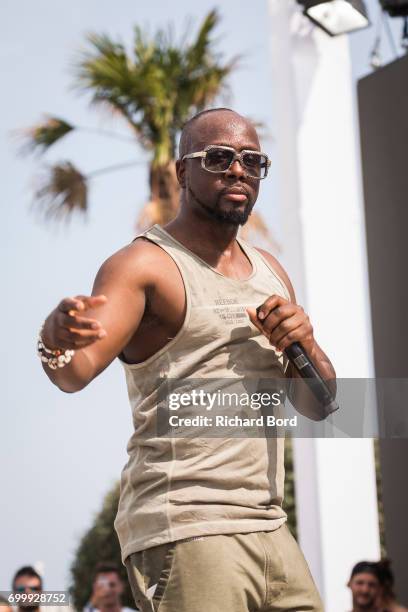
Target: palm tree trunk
(164, 196)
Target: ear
(181, 173)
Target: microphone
(318, 386)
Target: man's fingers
(85, 334)
(79, 338)
(76, 322)
(272, 312)
(254, 319)
(279, 316)
(79, 303)
(69, 303)
(287, 326)
(272, 302)
(88, 301)
(281, 331)
(66, 329)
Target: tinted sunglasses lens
(218, 160)
(255, 164)
(22, 589)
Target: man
(107, 589)
(387, 600)
(200, 519)
(364, 584)
(27, 581)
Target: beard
(230, 217)
(364, 603)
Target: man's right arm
(98, 327)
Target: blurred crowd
(106, 591)
(371, 585)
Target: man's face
(27, 585)
(107, 589)
(227, 197)
(365, 588)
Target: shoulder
(280, 271)
(142, 261)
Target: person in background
(365, 587)
(387, 601)
(4, 605)
(28, 580)
(107, 589)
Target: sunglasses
(23, 588)
(217, 158)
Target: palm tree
(155, 89)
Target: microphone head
(331, 407)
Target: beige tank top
(175, 488)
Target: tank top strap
(263, 262)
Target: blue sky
(61, 453)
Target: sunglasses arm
(194, 155)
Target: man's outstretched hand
(68, 327)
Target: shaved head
(207, 193)
(196, 128)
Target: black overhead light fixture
(398, 8)
(336, 16)
(395, 8)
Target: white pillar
(324, 253)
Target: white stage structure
(324, 252)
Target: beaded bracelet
(58, 357)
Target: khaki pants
(260, 571)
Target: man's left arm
(284, 322)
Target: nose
(236, 170)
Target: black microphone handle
(304, 365)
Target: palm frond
(62, 190)
(41, 136)
(197, 51)
(159, 86)
(106, 72)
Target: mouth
(235, 195)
